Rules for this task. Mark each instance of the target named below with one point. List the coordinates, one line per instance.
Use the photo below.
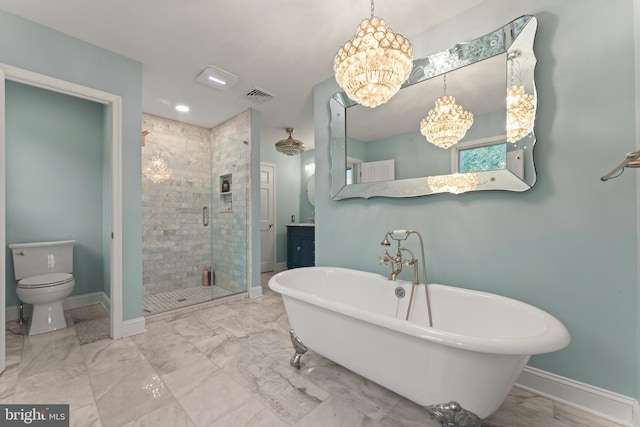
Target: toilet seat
(45, 280)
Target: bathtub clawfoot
(453, 415)
(300, 349)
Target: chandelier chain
(371, 9)
(445, 84)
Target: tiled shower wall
(176, 245)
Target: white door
(267, 217)
(383, 170)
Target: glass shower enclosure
(195, 209)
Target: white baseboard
(133, 327)
(74, 301)
(105, 302)
(255, 292)
(602, 403)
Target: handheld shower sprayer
(395, 236)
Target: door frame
(114, 102)
(275, 216)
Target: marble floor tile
(54, 350)
(168, 415)
(335, 412)
(129, 393)
(253, 414)
(195, 326)
(221, 365)
(289, 395)
(168, 351)
(110, 356)
(13, 355)
(523, 408)
(69, 385)
(208, 396)
(364, 395)
(242, 326)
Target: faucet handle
(383, 260)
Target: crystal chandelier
(157, 170)
(521, 106)
(290, 146)
(372, 66)
(455, 183)
(521, 110)
(447, 123)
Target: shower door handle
(205, 216)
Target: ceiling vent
(258, 96)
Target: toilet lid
(44, 280)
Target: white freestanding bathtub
(472, 355)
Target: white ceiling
(283, 47)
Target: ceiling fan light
(290, 146)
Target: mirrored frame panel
(385, 138)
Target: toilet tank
(33, 259)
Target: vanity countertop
(301, 224)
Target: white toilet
(44, 273)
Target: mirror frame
(460, 55)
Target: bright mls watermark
(34, 415)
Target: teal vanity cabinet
(301, 245)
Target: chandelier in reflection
(521, 110)
(521, 106)
(372, 66)
(157, 170)
(455, 183)
(290, 146)
(447, 123)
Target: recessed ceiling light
(182, 108)
(217, 78)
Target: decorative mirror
(311, 190)
(380, 152)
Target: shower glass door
(194, 231)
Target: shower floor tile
(181, 298)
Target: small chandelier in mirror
(447, 123)
(290, 146)
(372, 66)
(456, 183)
(521, 106)
(157, 170)
(521, 109)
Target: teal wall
(33, 47)
(288, 190)
(54, 179)
(568, 245)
